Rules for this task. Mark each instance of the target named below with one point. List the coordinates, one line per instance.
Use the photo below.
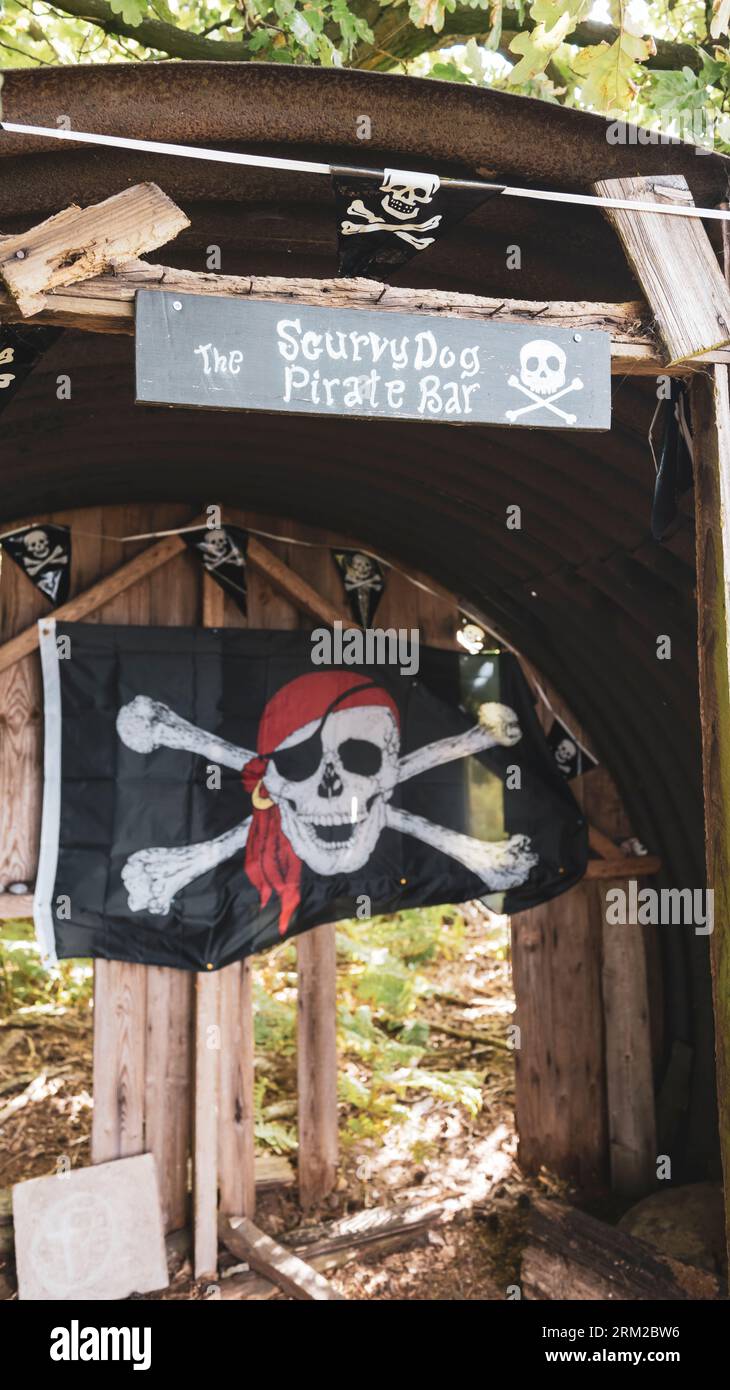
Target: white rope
(305, 166)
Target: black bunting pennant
(43, 553)
(385, 220)
(223, 552)
(567, 752)
(363, 581)
(20, 349)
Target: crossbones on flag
(43, 553)
(223, 552)
(209, 793)
(383, 220)
(363, 582)
(571, 758)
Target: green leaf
(132, 11)
(609, 72)
(537, 49)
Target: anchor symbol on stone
(542, 379)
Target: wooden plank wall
(589, 1006)
(145, 1017)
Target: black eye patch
(297, 763)
(360, 756)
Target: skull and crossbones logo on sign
(321, 782)
(543, 379)
(407, 196)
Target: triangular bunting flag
(20, 349)
(384, 220)
(567, 752)
(223, 552)
(43, 552)
(363, 581)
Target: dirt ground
(440, 1152)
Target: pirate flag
(211, 792)
(43, 553)
(223, 552)
(20, 349)
(363, 581)
(570, 757)
(385, 219)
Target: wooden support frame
(676, 267)
(282, 577)
(80, 242)
(105, 304)
(710, 406)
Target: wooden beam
(98, 594)
(293, 586)
(288, 1271)
(82, 242)
(572, 1256)
(317, 1064)
(677, 269)
(105, 304)
(710, 405)
(625, 866)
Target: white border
(51, 820)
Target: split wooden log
(81, 242)
(571, 1256)
(105, 304)
(283, 1268)
(676, 267)
(379, 1231)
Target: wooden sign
(234, 354)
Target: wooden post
(560, 1085)
(317, 1063)
(629, 1073)
(205, 1162)
(711, 435)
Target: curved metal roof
(582, 590)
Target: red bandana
(271, 864)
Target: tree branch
(395, 39)
(156, 34)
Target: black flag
(363, 580)
(570, 757)
(43, 552)
(334, 783)
(674, 468)
(20, 349)
(223, 552)
(385, 219)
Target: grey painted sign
(238, 354)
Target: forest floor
(426, 1094)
